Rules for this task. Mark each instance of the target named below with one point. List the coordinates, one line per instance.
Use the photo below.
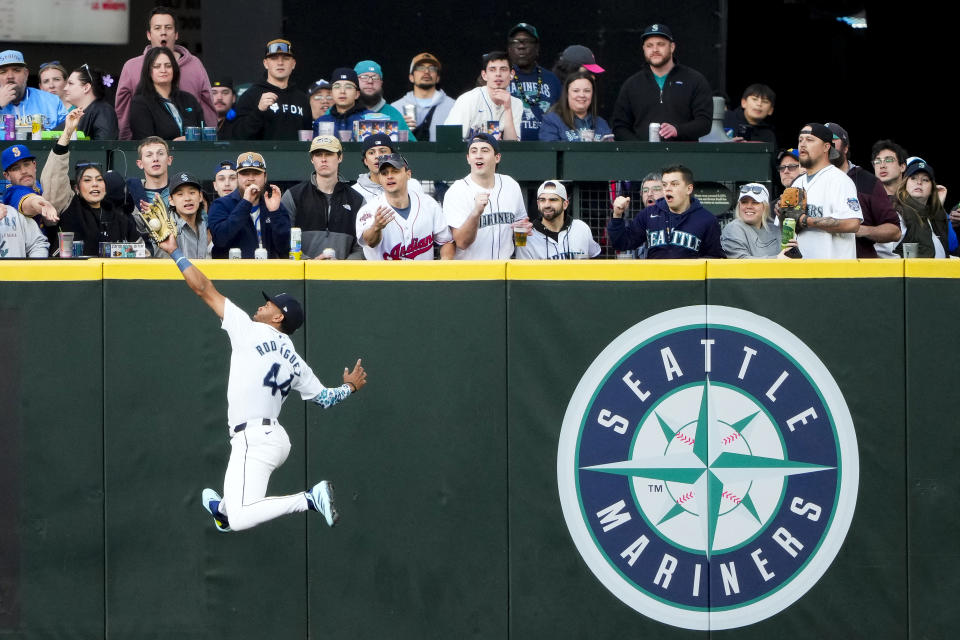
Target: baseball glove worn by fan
(157, 220)
(793, 202)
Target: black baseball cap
(485, 137)
(344, 74)
(292, 311)
(378, 140)
(395, 160)
(819, 131)
(839, 133)
(660, 30)
(917, 166)
(223, 81)
(523, 26)
(183, 178)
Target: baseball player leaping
(264, 367)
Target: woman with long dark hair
(91, 217)
(918, 204)
(575, 113)
(158, 107)
(85, 90)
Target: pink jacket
(193, 80)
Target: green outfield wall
(113, 419)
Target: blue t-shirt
(404, 212)
(537, 91)
(37, 101)
(15, 194)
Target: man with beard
(273, 109)
(223, 95)
(674, 95)
(17, 99)
(557, 236)
(828, 227)
(880, 222)
(370, 76)
(536, 87)
(162, 32)
(431, 105)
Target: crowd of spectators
(385, 213)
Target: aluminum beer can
(788, 230)
(260, 254)
(235, 254)
(410, 110)
(654, 132)
(10, 127)
(296, 249)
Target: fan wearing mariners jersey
(557, 236)
(828, 227)
(402, 224)
(264, 368)
(482, 208)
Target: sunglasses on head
(280, 46)
(751, 189)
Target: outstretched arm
(200, 284)
(353, 381)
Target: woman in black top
(85, 91)
(93, 219)
(158, 107)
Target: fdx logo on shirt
(708, 467)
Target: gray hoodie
(740, 240)
(442, 101)
(20, 237)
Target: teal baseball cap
(368, 66)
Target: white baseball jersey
(405, 239)
(574, 242)
(494, 239)
(370, 190)
(264, 366)
(474, 110)
(830, 194)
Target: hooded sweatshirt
(441, 104)
(695, 233)
(193, 80)
(282, 121)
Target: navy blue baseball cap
(225, 164)
(344, 74)
(292, 311)
(378, 140)
(485, 137)
(660, 30)
(16, 153)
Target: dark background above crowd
(877, 82)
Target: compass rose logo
(708, 467)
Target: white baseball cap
(555, 186)
(756, 191)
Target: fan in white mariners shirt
(368, 184)
(483, 208)
(829, 226)
(264, 367)
(401, 224)
(557, 236)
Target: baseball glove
(793, 202)
(157, 220)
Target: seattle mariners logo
(708, 467)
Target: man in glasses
(346, 109)
(677, 226)
(402, 224)
(889, 165)
(536, 87)
(17, 99)
(788, 167)
(325, 207)
(651, 189)
(880, 222)
(273, 109)
(253, 216)
(162, 32)
(489, 108)
(665, 92)
(370, 76)
(321, 98)
(431, 105)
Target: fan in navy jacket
(252, 216)
(677, 226)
